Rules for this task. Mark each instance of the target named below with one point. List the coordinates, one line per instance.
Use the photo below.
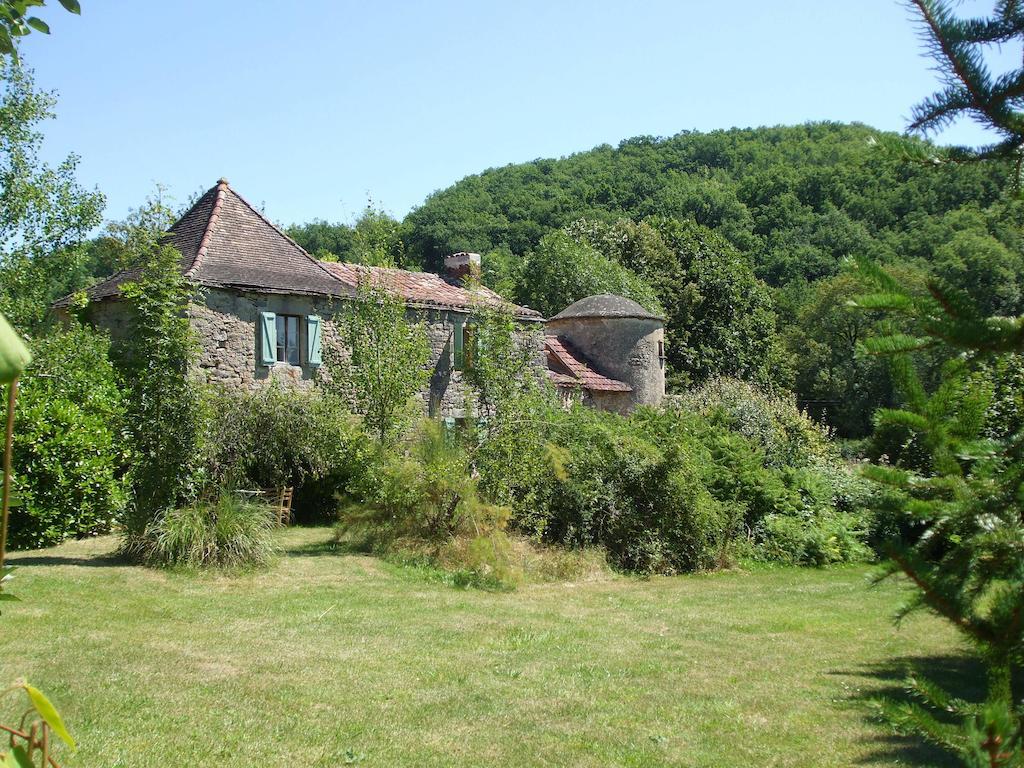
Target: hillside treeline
(738, 236)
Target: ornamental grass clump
(229, 532)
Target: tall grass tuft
(226, 533)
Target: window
(288, 339)
(661, 353)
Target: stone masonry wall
(226, 323)
(227, 326)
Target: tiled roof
(226, 243)
(568, 368)
(426, 289)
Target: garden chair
(281, 500)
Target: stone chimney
(460, 266)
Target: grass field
(332, 659)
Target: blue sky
(309, 107)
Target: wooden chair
(281, 500)
(278, 499)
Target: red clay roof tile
(567, 367)
(426, 289)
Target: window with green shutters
(281, 337)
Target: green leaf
(49, 714)
(6, 45)
(7, 597)
(38, 25)
(72, 6)
(901, 418)
(14, 355)
(19, 757)
(895, 344)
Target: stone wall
(226, 323)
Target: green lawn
(329, 659)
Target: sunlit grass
(330, 658)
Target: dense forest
(739, 236)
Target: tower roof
(606, 305)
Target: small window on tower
(661, 353)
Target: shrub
(227, 533)
(276, 437)
(384, 363)
(643, 499)
(787, 435)
(163, 407)
(804, 504)
(512, 451)
(419, 496)
(674, 490)
(69, 459)
(812, 539)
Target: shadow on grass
(963, 676)
(322, 548)
(105, 560)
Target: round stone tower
(620, 339)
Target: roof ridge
(281, 232)
(204, 244)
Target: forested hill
(737, 236)
(796, 199)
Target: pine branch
(941, 605)
(909, 718)
(961, 65)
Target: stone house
(266, 308)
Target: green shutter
(268, 338)
(313, 354)
(460, 326)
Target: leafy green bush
(616, 484)
(787, 435)
(276, 437)
(163, 420)
(418, 496)
(69, 458)
(228, 533)
(804, 504)
(812, 539)
(674, 490)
